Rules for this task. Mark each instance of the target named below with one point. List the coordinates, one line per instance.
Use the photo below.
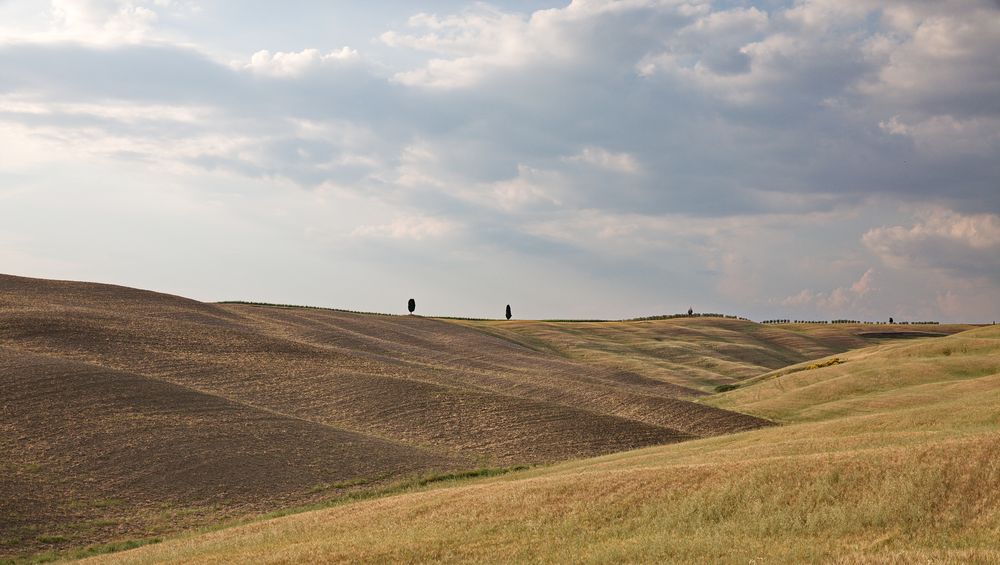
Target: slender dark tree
(411, 305)
(890, 320)
(508, 311)
(690, 311)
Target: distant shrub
(827, 363)
(726, 388)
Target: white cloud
(102, 20)
(947, 135)
(863, 285)
(939, 238)
(530, 187)
(294, 64)
(844, 300)
(933, 56)
(803, 298)
(604, 159)
(89, 21)
(122, 111)
(480, 42)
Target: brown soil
(126, 413)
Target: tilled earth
(129, 414)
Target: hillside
(696, 352)
(891, 456)
(130, 414)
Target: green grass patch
(472, 474)
(89, 551)
(398, 487)
(113, 547)
(339, 485)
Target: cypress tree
(411, 305)
(508, 311)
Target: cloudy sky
(777, 158)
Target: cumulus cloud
(947, 135)
(106, 22)
(477, 41)
(966, 245)
(931, 57)
(102, 20)
(839, 301)
(282, 64)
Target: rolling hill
(697, 352)
(128, 413)
(892, 456)
(132, 414)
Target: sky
(807, 159)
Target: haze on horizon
(810, 159)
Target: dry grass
(892, 456)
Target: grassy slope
(892, 456)
(694, 352)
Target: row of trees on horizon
(891, 321)
(411, 306)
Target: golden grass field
(129, 416)
(892, 456)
